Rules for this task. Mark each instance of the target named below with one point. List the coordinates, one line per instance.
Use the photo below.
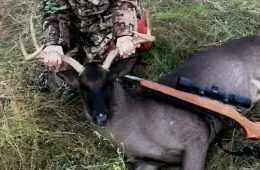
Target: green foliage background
(47, 131)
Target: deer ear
(71, 77)
(121, 68)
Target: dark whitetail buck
(153, 132)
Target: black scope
(186, 84)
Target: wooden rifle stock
(252, 129)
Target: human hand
(126, 46)
(52, 55)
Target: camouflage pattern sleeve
(56, 22)
(125, 17)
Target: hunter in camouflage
(89, 27)
(87, 30)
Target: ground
(48, 131)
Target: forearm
(56, 22)
(125, 17)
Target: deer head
(93, 77)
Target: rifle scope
(186, 84)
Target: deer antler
(138, 39)
(39, 51)
(74, 63)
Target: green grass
(41, 131)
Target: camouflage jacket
(91, 23)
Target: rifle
(252, 129)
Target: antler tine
(74, 63)
(38, 49)
(148, 20)
(35, 54)
(29, 56)
(145, 37)
(109, 59)
(33, 34)
(25, 54)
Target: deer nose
(99, 107)
(101, 118)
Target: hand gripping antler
(39, 51)
(138, 38)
